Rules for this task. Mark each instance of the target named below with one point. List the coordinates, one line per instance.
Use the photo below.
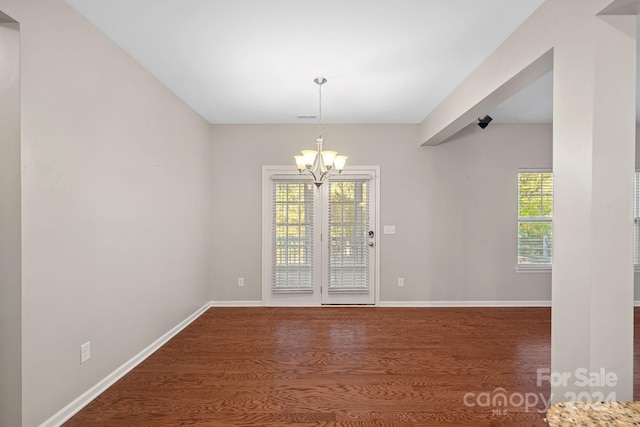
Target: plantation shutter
(292, 235)
(348, 218)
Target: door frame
(315, 299)
(353, 298)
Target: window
(535, 216)
(292, 235)
(348, 228)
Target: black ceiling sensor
(484, 122)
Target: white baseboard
(471, 303)
(400, 304)
(235, 304)
(84, 399)
(464, 304)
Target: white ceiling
(254, 61)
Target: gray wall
(10, 260)
(454, 206)
(474, 214)
(116, 204)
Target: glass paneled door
(350, 243)
(319, 247)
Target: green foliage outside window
(293, 204)
(535, 214)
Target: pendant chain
(320, 109)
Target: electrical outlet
(85, 352)
(400, 281)
(240, 281)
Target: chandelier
(319, 163)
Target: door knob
(371, 244)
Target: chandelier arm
(321, 166)
(310, 172)
(317, 164)
(324, 175)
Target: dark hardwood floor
(340, 366)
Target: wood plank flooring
(337, 366)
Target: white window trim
(543, 268)
(268, 172)
(267, 251)
(531, 268)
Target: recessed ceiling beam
(622, 7)
(6, 18)
(520, 60)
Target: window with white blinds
(292, 233)
(348, 239)
(535, 217)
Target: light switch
(389, 229)
(85, 352)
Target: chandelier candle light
(318, 163)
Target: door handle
(371, 244)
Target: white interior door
(319, 247)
